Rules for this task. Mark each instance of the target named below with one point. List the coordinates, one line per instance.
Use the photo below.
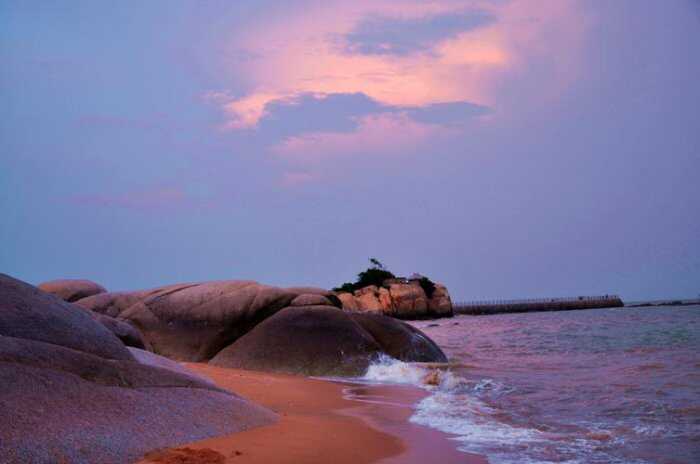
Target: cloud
(385, 133)
(343, 112)
(469, 49)
(402, 36)
(390, 77)
(309, 112)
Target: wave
(453, 406)
(463, 408)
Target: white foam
(390, 370)
(454, 407)
(468, 418)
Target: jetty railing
(537, 304)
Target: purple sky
(505, 148)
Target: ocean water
(591, 386)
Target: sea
(589, 386)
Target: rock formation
(400, 298)
(315, 340)
(72, 289)
(249, 325)
(72, 392)
(193, 322)
(240, 323)
(398, 339)
(326, 341)
(151, 359)
(124, 330)
(28, 313)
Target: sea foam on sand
(453, 406)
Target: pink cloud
(299, 54)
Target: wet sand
(320, 422)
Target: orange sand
(318, 424)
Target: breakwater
(643, 304)
(537, 304)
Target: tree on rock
(376, 274)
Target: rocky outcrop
(440, 302)
(348, 301)
(310, 299)
(316, 340)
(154, 360)
(28, 313)
(400, 298)
(326, 341)
(73, 393)
(125, 332)
(68, 289)
(367, 299)
(386, 300)
(408, 300)
(72, 289)
(398, 339)
(193, 322)
(240, 323)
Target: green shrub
(373, 276)
(346, 287)
(376, 274)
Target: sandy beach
(319, 421)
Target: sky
(523, 148)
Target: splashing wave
(461, 407)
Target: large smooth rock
(124, 331)
(316, 340)
(127, 333)
(72, 289)
(311, 299)
(325, 341)
(155, 360)
(193, 322)
(398, 339)
(114, 303)
(308, 290)
(71, 392)
(27, 312)
(68, 406)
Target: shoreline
(319, 419)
